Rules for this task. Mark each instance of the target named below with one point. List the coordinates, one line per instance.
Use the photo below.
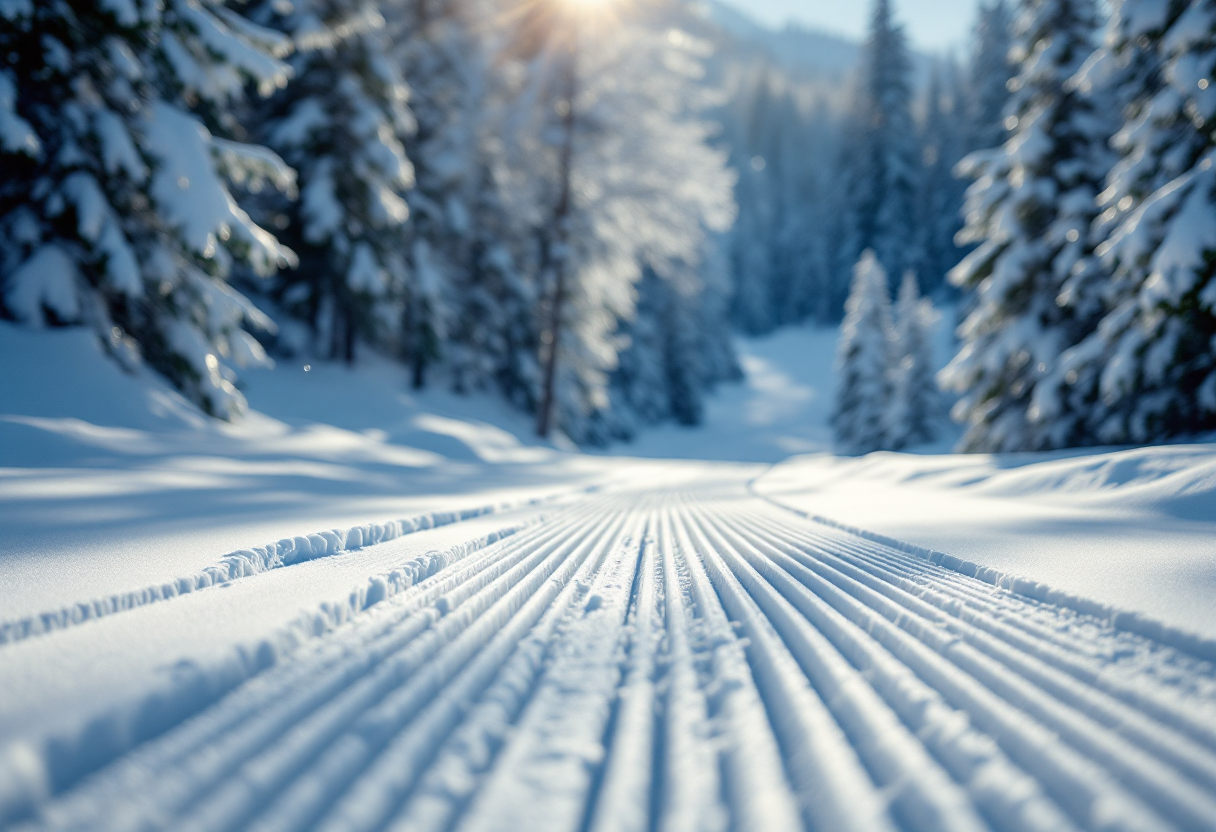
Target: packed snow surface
(1134, 528)
(363, 609)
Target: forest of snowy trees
(573, 204)
(523, 197)
(1088, 302)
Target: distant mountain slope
(804, 54)
(798, 50)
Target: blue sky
(931, 24)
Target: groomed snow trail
(696, 659)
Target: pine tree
(863, 362)
(773, 252)
(884, 155)
(1030, 211)
(115, 207)
(493, 340)
(679, 348)
(1149, 371)
(915, 410)
(640, 392)
(340, 123)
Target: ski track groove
(244, 563)
(697, 660)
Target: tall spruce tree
(115, 204)
(915, 411)
(883, 156)
(863, 362)
(1148, 373)
(493, 338)
(1030, 210)
(340, 123)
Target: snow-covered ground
(1134, 528)
(109, 481)
(780, 408)
(362, 608)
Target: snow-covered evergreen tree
(915, 409)
(493, 339)
(115, 207)
(863, 362)
(1030, 210)
(884, 154)
(340, 123)
(679, 347)
(445, 65)
(1149, 371)
(606, 164)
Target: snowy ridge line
(1202, 647)
(246, 562)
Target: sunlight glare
(593, 8)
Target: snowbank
(1132, 529)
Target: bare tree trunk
(556, 254)
(419, 380)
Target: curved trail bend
(695, 659)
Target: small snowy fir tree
(1030, 210)
(863, 362)
(115, 207)
(915, 410)
(1149, 371)
(340, 123)
(885, 154)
